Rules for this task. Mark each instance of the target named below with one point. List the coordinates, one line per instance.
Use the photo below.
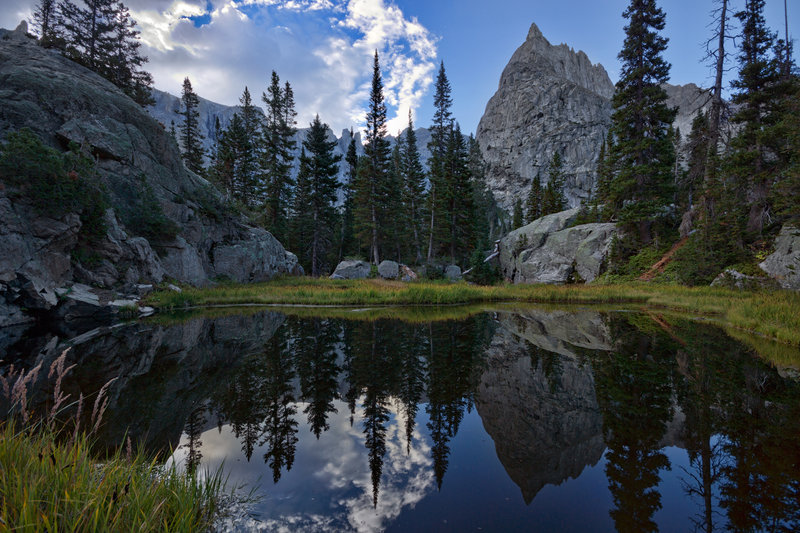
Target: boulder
(534, 234)
(784, 263)
(452, 272)
(388, 269)
(406, 274)
(258, 258)
(546, 251)
(732, 279)
(351, 269)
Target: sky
(324, 48)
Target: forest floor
(771, 314)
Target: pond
(482, 420)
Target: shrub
(54, 183)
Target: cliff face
(553, 99)
(140, 167)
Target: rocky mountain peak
(553, 99)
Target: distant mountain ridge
(167, 106)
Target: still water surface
(511, 420)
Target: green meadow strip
(773, 314)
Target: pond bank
(773, 314)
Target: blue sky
(324, 47)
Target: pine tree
(440, 137)
(553, 200)
(535, 197)
(102, 37)
(642, 155)
(277, 158)
(248, 185)
(395, 222)
(697, 148)
(517, 220)
(458, 196)
(123, 63)
(46, 22)
(752, 162)
(373, 169)
(317, 192)
(190, 129)
(348, 244)
(605, 171)
(414, 189)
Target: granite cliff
(139, 167)
(553, 99)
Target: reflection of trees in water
(314, 346)
(740, 429)
(382, 359)
(280, 427)
(194, 427)
(634, 394)
(741, 418)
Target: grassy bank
(49, 484)
(773, 314)
(52, 480)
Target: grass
(51, 485)
(773, 314)
(51, 479)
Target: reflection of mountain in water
(539, 406)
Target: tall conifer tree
(440, 137)
(372, 175)
(642, 154)
(534, 203)
(190, 129)
(315, 203)
(753, 160)
(413, 189)
(278, 154)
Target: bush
(145, 216)
(54, 183)
(481, 272)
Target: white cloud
(324, 48)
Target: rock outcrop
(540, 407)
(549, 251)
(140, 167)
(553, 99)
(784, 263)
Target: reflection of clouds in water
(337, 463)
(407, 478)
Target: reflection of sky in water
(329, 486)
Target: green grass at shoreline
(773, 314)
(48, 483)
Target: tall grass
(50, 480)
(774, 314)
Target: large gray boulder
(733, 279)
(139, 165)
(388, 269)
(351, 269)
(546, 251)
(784, 263)
(452, 272)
